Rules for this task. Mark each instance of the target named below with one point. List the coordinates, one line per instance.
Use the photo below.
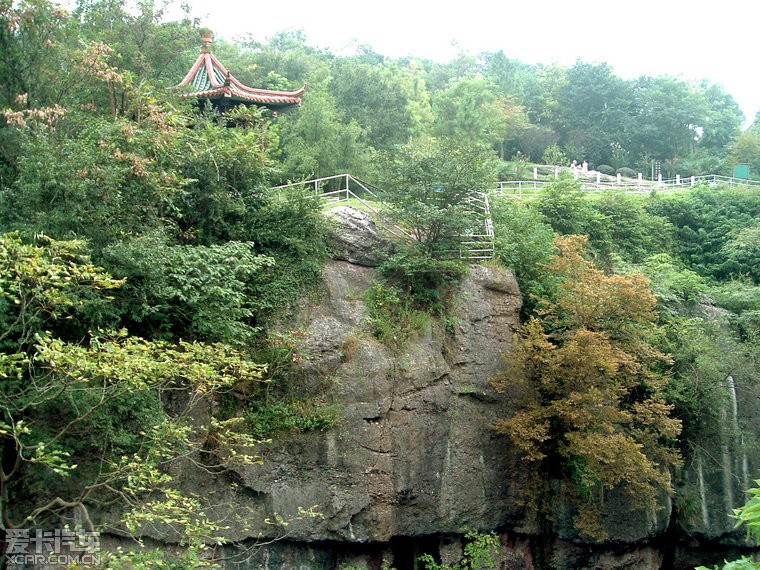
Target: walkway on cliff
(478, 244)
(345, 188)
(595, 182)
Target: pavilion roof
(209, 79)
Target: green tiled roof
(209, 79)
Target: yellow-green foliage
(590, 384)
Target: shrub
(392, 319)
(424, 279)
(266, 419)
(524, 242)
(606, 169)
(200, 292)
(627, 172)
(553, 155)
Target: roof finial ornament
(208, 79)
(207, 37)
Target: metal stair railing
(479, 246)
(344, 193)
(337, 188)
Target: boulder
(355, 238)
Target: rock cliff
(413, 454)
(413, 460)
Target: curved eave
(218, 81)
(223, 93)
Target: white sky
(687, 39)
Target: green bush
(268, 418)
(424, 279)
(292, 232)
(479, 551)
(632, 231)
(569, 211)
(606, 169)
(627, 172)
(524, 242)
(713, 229)
(392, 319)
(200, 292)
(553, 155)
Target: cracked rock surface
(414, 452)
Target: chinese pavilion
(210, 81)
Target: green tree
(472, 110)
(514, 78)
(722, 121)
(34, 44)
(594, 109)
(108, 178)
(389, 101)
(149, 47)
(223, 172)
(570, 212)
(430, 184)
(704, 222)
(524, 242)
(743, 250)
(82, 420)
(634, 233)
(666, 115)
(90, 177)
(317, 141)
(285, 61)
(745, 149)
(432, 187)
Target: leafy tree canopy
(591, 386)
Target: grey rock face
(414, 453)
(355, 237)
(414, 456)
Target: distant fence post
(556, 172)
(659, 178)
(535, 173)
(678, 179)
(619, 179)
(693, 180)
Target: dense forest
(146, 265)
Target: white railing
(345, 187)
(518, 188)
(338, 188)
(479, 244)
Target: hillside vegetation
(143, 256)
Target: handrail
(510, 188)
(519, 187)
(344, 193)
